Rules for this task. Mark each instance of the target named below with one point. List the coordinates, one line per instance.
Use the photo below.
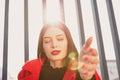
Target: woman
(58, 57)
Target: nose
(54, 43)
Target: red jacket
(31, 71)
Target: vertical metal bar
(62, 10)
(80, 22)
(26, 36)
(115, 37)
(103, 63)
(5, 46)
(44, 11)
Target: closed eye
(47, 40)
(60, 38)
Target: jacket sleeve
(23, 74)
(95, 76)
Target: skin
(55, 39)
(88, 60)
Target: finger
(81, 65)
(87, 74)
(90, 67)
(90, 59)
(88, 42)
(93, 52)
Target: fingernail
(83, 66)
(86, 58)
(90, 50)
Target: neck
(57, 64)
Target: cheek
(47, 52)
(65, 48)
(65, 45)
(46, 48)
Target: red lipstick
(55, 52)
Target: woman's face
(55, 44)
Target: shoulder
(33, 65)
(32, 62)
(31, 69)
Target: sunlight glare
(53, 11)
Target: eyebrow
(56, 35)
(60, 35)
(46, 37)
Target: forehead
(51, 31)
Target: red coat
(31, 71)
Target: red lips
(55, 52)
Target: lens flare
(73, 61)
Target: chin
(58, 59)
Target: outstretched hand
(88, 60)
